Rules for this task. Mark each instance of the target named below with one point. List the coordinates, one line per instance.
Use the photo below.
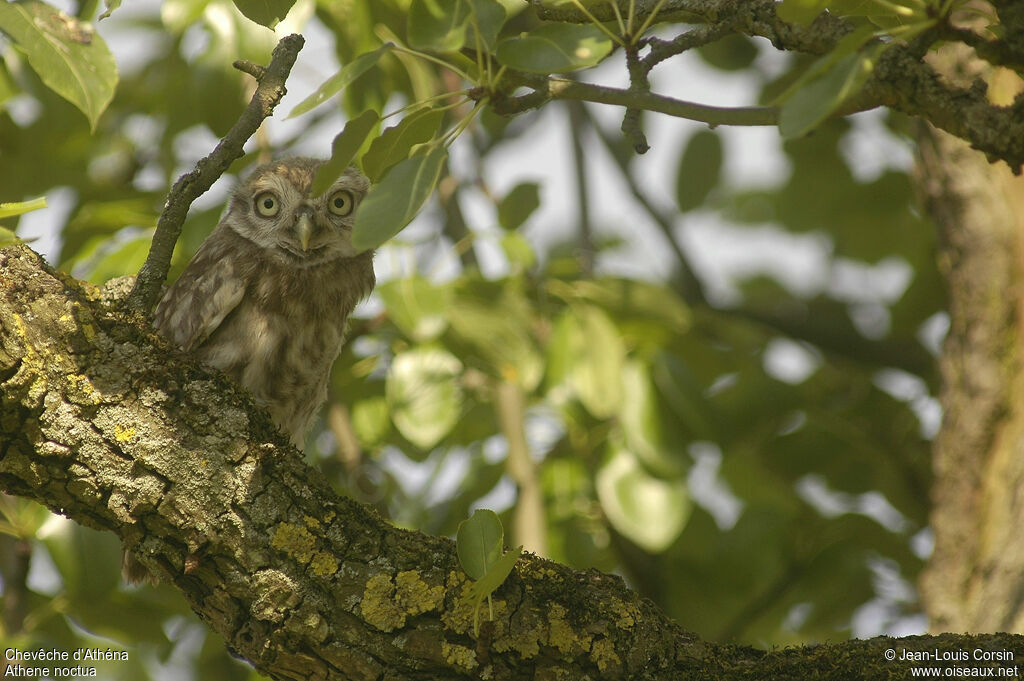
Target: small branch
(455, 227)
(530, 524)
(339, 420)
(698, 37)
(14, 570)
(246, 66)
(638, 85)
(546, 89)
(995, 52)
(692, 289)
(577, 123)
(192, 185)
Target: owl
(266, 297)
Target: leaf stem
(421, 102)
(616, 39)
(462, 124)
(650, 17)
(431, 58)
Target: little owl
(266, 297)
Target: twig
(546, 89)
(577, 124)
(638, 85)
(192, 185)
(698, 37)
(692, 289)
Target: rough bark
(973, 581)
(104, 423)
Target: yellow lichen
(560, 634)
(323, 564)
(311, 522)
(414, 595)
(603, 654)
(122, 434)
(82, 389)
(460, 656)
(627, 613)
(378, 606)
(459, 618)
(296, 541)
(526, 642)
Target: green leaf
(485, 22)
(395, 143)
(815, 102)
(340, 80)
(518, 205)
(555, 48)
(438, 25)
(111, 5)
(586, 353)
(643, 428)
(69, 56)
(732, 53)
(681, 392)
(518, 250)
(800, 11)
(397, 199)
(370, 420)
(267, 13)
(498, 331)
(649, 511)
(7, 237)
(496, 575)
(126, 259)
(343, 149)
(8, 210)
(423, 394)
(416, 306)
(700, 169)
(479, 542)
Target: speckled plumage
(267, 295)
(257, 305)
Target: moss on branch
(102, 422)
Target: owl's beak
(304, 230)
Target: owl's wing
(205, 293)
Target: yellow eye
(267, 204)
(341, 203)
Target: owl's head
(273, 209)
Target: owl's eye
(341, 203)
(267, 204)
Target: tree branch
(192, 185)
(101, 421)
(546, 89)
(900, 81)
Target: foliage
(479, 542)
(751, 503)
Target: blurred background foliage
(756, 463)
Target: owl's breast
(284, 335)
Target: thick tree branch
(900, 81)
(104, 423)
(192, 185)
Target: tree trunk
(974, 581)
